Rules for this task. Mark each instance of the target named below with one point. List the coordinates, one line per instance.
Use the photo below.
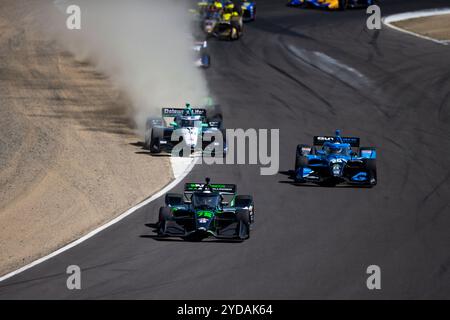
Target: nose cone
(190, 136)
(203, 223)
(336, 169)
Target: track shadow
(160, 155)
(138, 144)
(143, 150)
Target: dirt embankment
(68, 159)
(436, 27)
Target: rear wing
(225, 189)
(173, 112)
(320, 140)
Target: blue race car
(332, 4)
(340, 160)
(248, 11)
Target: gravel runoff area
(69, 160)
(436, 27)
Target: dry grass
(68, 156)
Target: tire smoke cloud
(144, 46)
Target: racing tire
(300, 161)
(216, 110)
(149, 126)
(174, 199)
(243, 217)
(246, 201)
(225, 145)
(234, 35)
(301, 149)
(371, 166)
(165, 214)
(154, 144)
(300, 156)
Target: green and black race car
(203, 212)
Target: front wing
(185, 227)
(321, 174)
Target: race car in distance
(224, 24)
(229, 27)
(204, 59)
(336, 162)
(194, 125)
(332, 4)
(248, 11)
(248, 8)
(203, 212)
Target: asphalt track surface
(305, 72)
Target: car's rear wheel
(243, 217)
(300, 162)
(301, 159)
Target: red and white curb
(416, 14)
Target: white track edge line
(416, 14)
(158, 194)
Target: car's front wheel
(246, 201)
(243, 217)
(165, 214)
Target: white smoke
(144, 46)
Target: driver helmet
(188, 110)
(335, 148)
